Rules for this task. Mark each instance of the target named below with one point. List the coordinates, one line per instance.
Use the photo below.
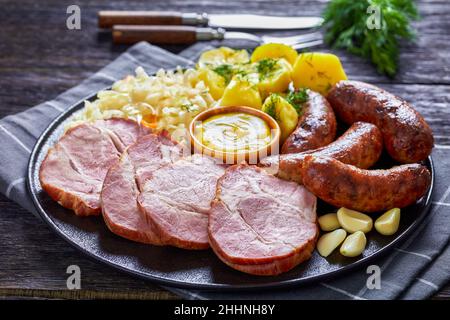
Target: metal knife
(107, 19)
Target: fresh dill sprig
(225, 71)
(346, 23)
(271, 107)
(265, 67)
(297, 98)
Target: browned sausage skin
(407, 136)
(316, 127)
(343, 185)
(360, 145)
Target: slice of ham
(123, 132)
(177, 198)
(73, 171)
(124, 181)
(260, 224)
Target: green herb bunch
(346, 23)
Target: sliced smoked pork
(123, 183)
(176, 199)
(123, 132)
(260, 224)
(73, 171)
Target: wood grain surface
(40, 58)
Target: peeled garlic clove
(353, 221)
(330, 241)
(387, 224)
(354, 245)
(329, 222)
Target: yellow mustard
(233, 132)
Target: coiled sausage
(407, 136)
(343, 185)
(316, 127)
(360, 145)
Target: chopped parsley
(271, 106)
(297, 98)
(265, 67)
(241, 72)
(225, 71)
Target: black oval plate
(191, 269)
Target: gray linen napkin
(415, 270)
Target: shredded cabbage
(169, 100)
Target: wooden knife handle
(125, 34)
(107, 19)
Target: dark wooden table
(40, 58)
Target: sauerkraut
(169, 100)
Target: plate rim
(204, 286)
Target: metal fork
(297, 41)
(128, 34)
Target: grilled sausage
(360, 145)
(407, 136)
(343, 185)
(316, 127)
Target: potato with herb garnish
(242, 91)
(283, 112)
(274, 76)
(218, 66)
(213, 81)
(222, 55)
(317, 71)
(274, 50)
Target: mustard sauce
(233, 132)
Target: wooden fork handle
(126, 34)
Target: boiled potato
(353, 221)
(222, 55)
(213, 81)
(387, 224)
(274, 50)
(274, 76)
(317, 71)
(330, 241)
(242, 91)
(282, 111)
(354, 245)
(329, 222)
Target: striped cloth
(414, 270)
